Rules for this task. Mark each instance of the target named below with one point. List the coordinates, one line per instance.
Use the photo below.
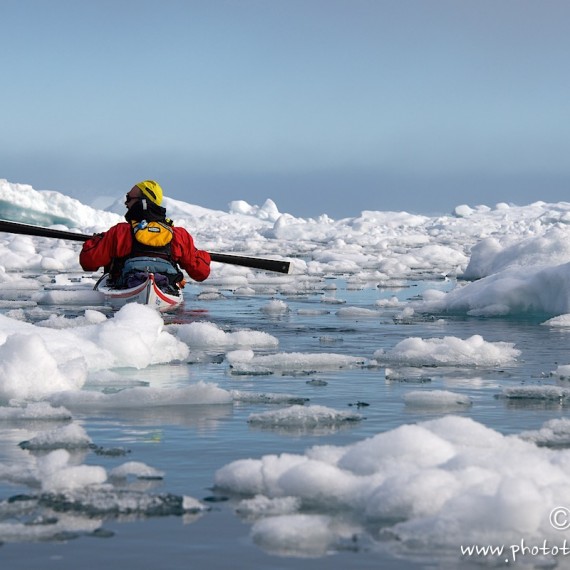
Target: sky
(324, 106)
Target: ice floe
(436, 399)
(303, 417)
(439, 483)
(448, 351)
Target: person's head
(148, 189)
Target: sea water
(190, 443)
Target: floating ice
(71, 436)
(81, 511)
(136, 469)
(42, 411)
(449, 351)
(201, 393)
(553, 433)
(436, 399)
(134, 337)
(37, 361)
(41, 207)
(562, 371)
(81, 298)
(245, 361)
(436, 483)
(266, 398)
(28, 370)
(113, 502)
(295, 535)
(358, 312)
(267, 211)
(391, 302)
(396, 245)
(303, 416)
(244, 291)
(261, 506)
(492, 255)
(52, 529)
(516, 290)
(407, 374)
(333, 301)
(552, 393)
(56, 473)
(559, 321)
(276, 307)
(91, 317)
(74, 498)
(440, 483)
(210, 336)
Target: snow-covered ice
(439, 483)
(428, 484)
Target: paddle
(254, 262)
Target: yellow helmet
(151, 190)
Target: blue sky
(325, 106)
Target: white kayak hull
(147, 293)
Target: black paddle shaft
(27, 229)
(253, 262)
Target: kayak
(147, 293)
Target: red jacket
(100, 250)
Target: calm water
(189, 445)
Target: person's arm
(99, 250)
(195, 262)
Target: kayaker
(148, 240)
